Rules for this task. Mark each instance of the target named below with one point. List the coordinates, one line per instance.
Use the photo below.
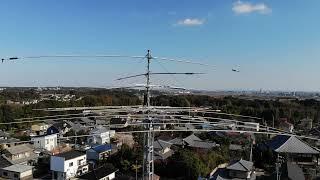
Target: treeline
(293, 110)
(10, 112)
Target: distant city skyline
(275, 44)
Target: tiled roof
(176, 141)
(18, 168)
(19, 149)
(241, 165)
(160, 144)
(194, 141)
(290, 144)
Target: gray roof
(19, 149)
(18, 168)
(190, 139)
(203, 144)
(8, 140)
(194, 141)
(76, 126)
(98, 130)
(160, 144)
(290, 144)
(176, 141)
(241, 165)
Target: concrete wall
(57, 164)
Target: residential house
(6, 141)
(124, 139)
(101, 173)
(77, 127)
(17, 172)
(21, 154)
(240, 170)
(39, 129)
(100, 135)
(118, 122)
(68, 165)
(59, 128)
(47, 142)
(99, 152)
(292, 149)
(195, 142)
(305, 124)
(162, 149)
(285, 125)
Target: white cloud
(191, 22)
(240, 7)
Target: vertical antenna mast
(148, 141)
(148, 78)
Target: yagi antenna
(145, 74)
(148, 166)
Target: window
(71, 164)
(5, 174)
(16, 175)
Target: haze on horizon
(275, 43)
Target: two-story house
(48, 142)
(100, 135)
(162, 149)
(68, 165)
(21, 154)
(99, 152)
(39, 129)
(59, 128)
(240, 170)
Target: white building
(101, 173)
(100, 135)
(48, 142)
(68, 165)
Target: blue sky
(275, 43)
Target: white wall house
(48, 142)
(68, 165)
(100, 135)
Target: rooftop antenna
(148, 162)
